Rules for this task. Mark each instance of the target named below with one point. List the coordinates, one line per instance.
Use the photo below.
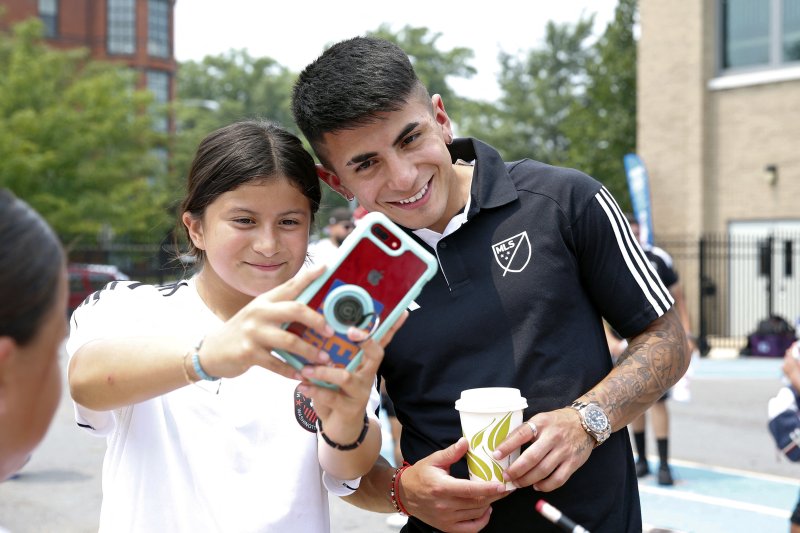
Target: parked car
(84, 279)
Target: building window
(791, 30)
(158, 84)
(48, 12)
(158, 28)
(121, 26)
(760, 33)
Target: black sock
(663, 449)
(638, 439)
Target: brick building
(719, 132)
(138, 33)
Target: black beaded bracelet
(345, 447)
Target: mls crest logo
(514, 253)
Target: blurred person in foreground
(33, 324)
(531, 257)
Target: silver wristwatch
(594, 420)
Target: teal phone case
(378, 261)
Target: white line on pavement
(713, 500)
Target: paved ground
(729, 478)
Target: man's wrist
(594, 420)
(395, 490)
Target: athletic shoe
(665, 476)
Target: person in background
(33, 324)
(206, 429)
(661, 261)
(791, 369)
(531, 257)
(340, 225)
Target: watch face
(595, 418)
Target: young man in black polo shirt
(531, 257)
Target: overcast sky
(295, 32)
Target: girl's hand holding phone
(249, 337)
(377, 274)
(342, 410)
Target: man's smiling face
(398, 165)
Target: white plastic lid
(491, 400)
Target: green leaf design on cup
(478, 467)
(477, 438)
(498, 471)
(499, 432)
(496, 467)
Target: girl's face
(31, 385)
(254, 237)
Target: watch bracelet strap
(578, 406)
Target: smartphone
(377, 274)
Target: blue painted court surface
(710, 500)
(744, 368)
(707, 499)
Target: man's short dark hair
(350, 84)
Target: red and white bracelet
(394, 491)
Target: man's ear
(195, 227)
(442, 118)
(333, 182)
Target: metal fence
(731, 282)
(149, 263)
(734, 282)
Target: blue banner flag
(639, 187)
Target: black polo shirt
(517, 302)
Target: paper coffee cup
(488, 415)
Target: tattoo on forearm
(653, 362)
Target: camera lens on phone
(380, 232)
(348, 310)
(346, 306)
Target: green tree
(75, 141)
(537, 94)
(432, 65)
(601, 125)
(235, 86)
(220, 90)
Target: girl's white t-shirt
(234, 455)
